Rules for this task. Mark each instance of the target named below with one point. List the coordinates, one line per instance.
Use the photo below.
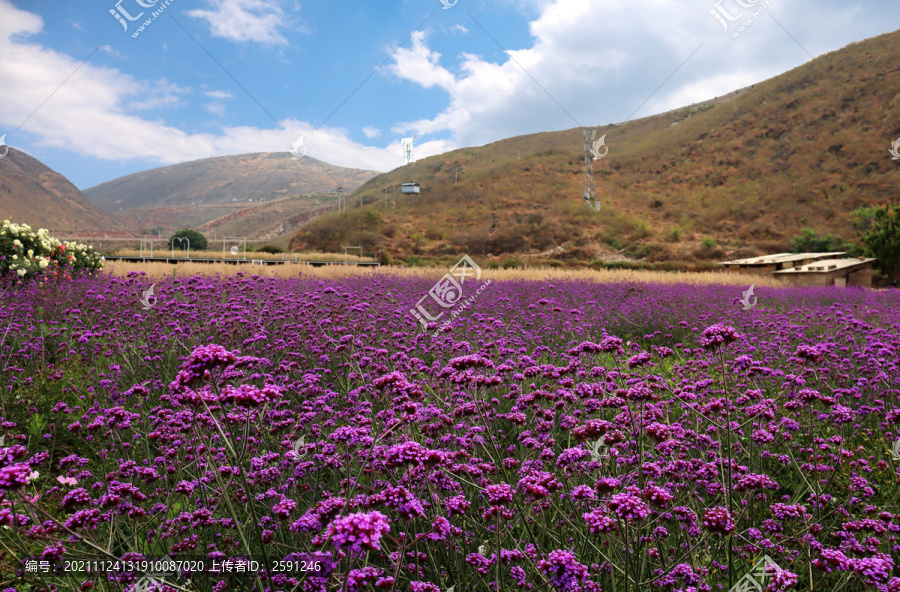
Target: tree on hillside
(811, 242)
(879, 229)
(197, 240)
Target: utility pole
(589, 194)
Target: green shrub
(613, 241)
(675, 234)
(811, 242)
(637, 251)
(879, 229)
(372, 220)
(708, 243)
(188, 238)
(271, 249)
(327, 233)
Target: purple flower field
(558, 436)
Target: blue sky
(209, 78)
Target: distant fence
(175, 260)
(89, 240)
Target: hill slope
(748, 170)
(33, 194)
(270, 220)
(195, 193)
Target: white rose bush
(27, 254)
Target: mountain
(198, 192)
(738, 175)
(33, 194)
(273, 220)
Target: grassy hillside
(198, 192)
(734, 176)
(271, 220)
(33, 194)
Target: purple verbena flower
(358, 532)
(14, 476)
(717, 335)
(629, 507)
(718, 520)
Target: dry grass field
(160, 270)
(250, 255)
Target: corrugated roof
(827, 265)
(782, 258)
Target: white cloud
(709, 88)
(218, 94)
(419, 64)
(334, 146)
(158, 95)
(95, 113)
(593, 62)
(17, 21)
(259, 21)
(599, 72)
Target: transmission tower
(407, 144)
(589, 187)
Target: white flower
(21, 272)
(31, 252)
(15, 256)
(17, 243)
(34, 475)
(44, 264)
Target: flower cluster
(717, 335)
(564, 570)
(629, 507)
(718, 520)
(14, 476)
(29, 254)
(358, 532)
(576, 437)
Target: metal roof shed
(768, 264)
(831, 272)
